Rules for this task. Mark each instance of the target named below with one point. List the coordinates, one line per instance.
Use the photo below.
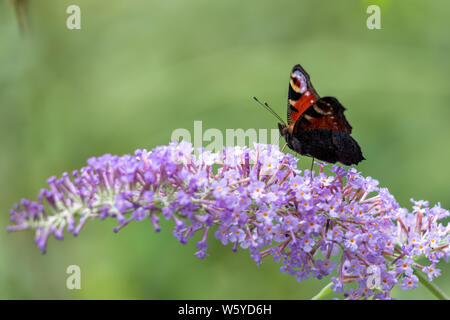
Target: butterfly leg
(312, 166)
(284, 147)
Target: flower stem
(432, 287)
(324, 292)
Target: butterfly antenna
(266, 106)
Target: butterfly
(316, 126)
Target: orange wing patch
(302, 104)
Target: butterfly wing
(301, 94)
(325, 113)
(323, 132)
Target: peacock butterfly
(316, 126)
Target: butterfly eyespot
(300, 81)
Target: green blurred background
(137, 70)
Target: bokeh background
(139, 69)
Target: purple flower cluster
(255, 199)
